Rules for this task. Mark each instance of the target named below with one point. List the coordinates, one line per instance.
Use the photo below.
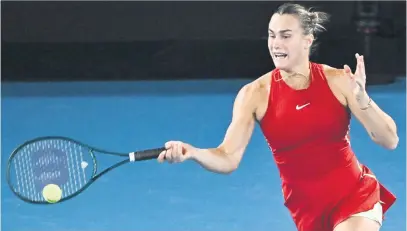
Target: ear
(309, 39)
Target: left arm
(380, 126)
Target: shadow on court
(127, 116)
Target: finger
(179, 149)
(359, 59)
(357, 56)
(347, 68)
(167, 154)
(161, 157)
(174, 151)
(169, 144)
(348, 71)
(178, 156)
(170, 150)
(171, 154)
(361, 66)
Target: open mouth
(280, 55)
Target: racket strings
(24, 174)
(76, 181)
(28, 177)
(40, 163)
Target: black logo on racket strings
(50, 166)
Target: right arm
(226, 157)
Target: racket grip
(146, 154)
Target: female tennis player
(304, 110)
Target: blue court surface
(144, 196)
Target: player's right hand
(176, 152)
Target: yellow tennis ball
(52, 193)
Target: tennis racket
(65, 162)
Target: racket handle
(146, 154)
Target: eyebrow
(281, 31)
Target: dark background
(78, 41)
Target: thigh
(365, 221)
(358, 224)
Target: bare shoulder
(253, 96)
(256, 88)
(332, 73)
(335, 78)
(250, 95)
(261, 83)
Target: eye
(286, 36)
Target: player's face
(287, 44)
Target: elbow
(225, 170)
(231, 167)
(389, 141)
(393, 138)
(228, 171)
(231, 161)
(392, 143)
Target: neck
(301, 69)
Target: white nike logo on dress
(301, 107)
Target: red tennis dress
(308, 134)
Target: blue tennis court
(126, 116)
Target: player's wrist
(363, 100)
(194, 153)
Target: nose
(275, 43)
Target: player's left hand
(357, 80)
